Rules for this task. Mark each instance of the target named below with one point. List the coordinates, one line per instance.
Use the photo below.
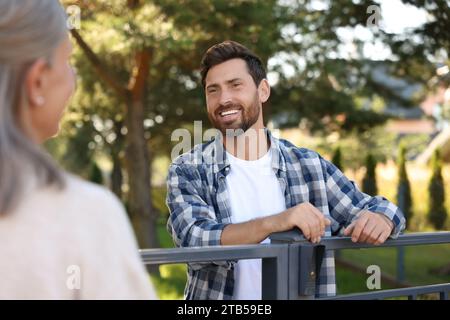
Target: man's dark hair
(228, 50)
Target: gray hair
(29, 30)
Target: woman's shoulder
(79, 205)
(77, 200)
(92, 198)
(86, 190)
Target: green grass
(419, 262)
(172, 279)
(170, 284)
(349, 281)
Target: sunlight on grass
(419, 177)
(170, 284)
(421, 262)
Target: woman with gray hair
(60, 237)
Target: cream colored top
(71, 244)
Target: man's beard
(249, 117)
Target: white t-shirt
(254, 192)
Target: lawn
(170, 284)
(419, 264)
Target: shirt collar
(215, 153)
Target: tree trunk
(139, 197)
(116, 175)
(139, 206)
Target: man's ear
(35, 83)
(264, 90)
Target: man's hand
(370, 227)
(304, 216)
(309, 220)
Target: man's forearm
(253, 231)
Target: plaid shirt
(200, 208)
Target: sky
(395, 17)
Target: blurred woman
(60, 237)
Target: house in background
(405, 119)
(427, 122)
(428, 118)
(438, 105)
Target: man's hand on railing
(304, 216)
(370, 227)
(309, 220)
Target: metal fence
(290, 263)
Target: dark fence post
(275, 276)
(305, 260)
(401, 264)
(401, 250)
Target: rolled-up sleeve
(346, 201)
(192, 221)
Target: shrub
(404, 200)
(369, 182)
(437, 213)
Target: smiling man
(249, 184)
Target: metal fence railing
(290, 263)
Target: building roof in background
(411, 126)
(401, 88)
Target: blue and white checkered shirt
(199, 207)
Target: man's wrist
(274, 223)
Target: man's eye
(236, 85)
(212, 90)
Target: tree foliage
(138, 66)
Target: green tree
(138, 65)
(404, 200)
(419, 58)
(437, 213)
(129, 95)
(369, 182)
(138, 62)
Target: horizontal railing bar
(281, 242)
(211, 253)
(333, 243)
(442, 289)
